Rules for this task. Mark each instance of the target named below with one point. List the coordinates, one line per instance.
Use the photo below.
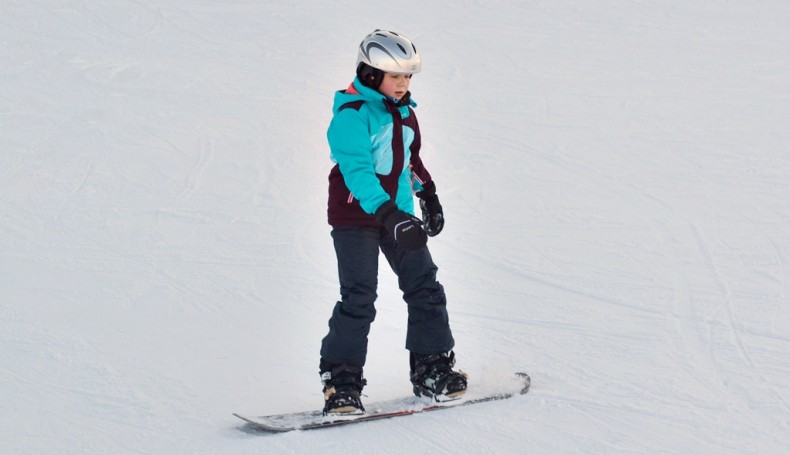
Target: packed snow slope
(615, 176)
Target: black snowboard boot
(342, 389)
(433, 376)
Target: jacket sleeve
(349, 141)
(420, 174)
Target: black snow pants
(357, 251)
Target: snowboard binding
(343, 386)
(433, 376)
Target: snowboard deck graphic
(312, 420)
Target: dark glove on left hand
(432, 214)
(404, 228)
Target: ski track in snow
(614, 176)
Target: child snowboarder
(374, 140)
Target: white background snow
(615, 176)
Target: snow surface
(615, 176)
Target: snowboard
(313, 420)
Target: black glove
(404, 228)
(432, 214)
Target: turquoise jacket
(374, 142)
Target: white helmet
(389, 52)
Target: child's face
(395, 85)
